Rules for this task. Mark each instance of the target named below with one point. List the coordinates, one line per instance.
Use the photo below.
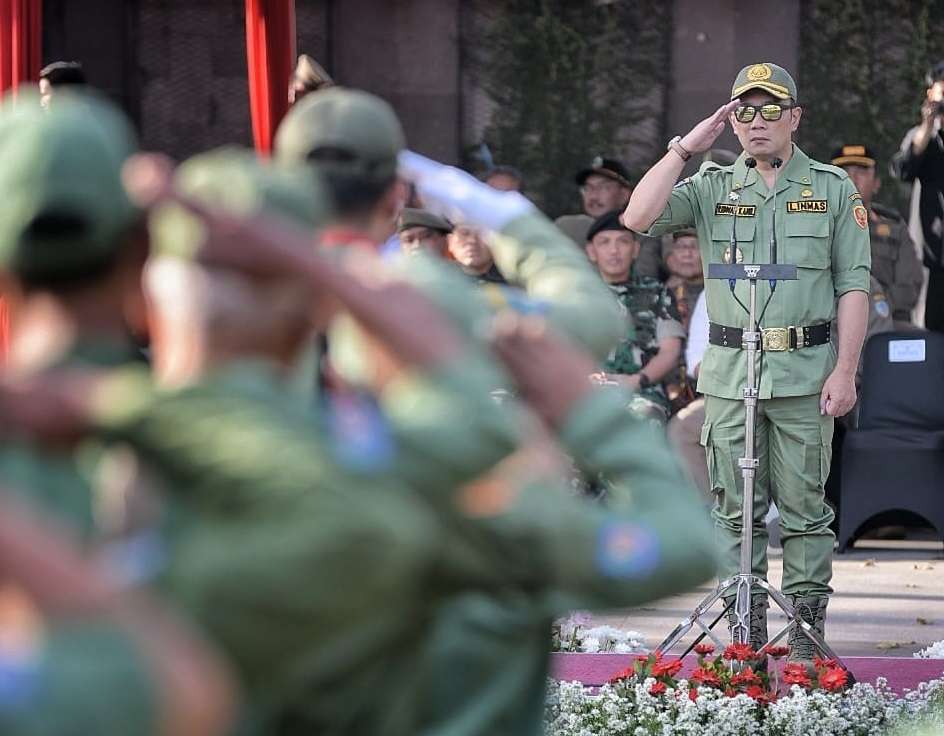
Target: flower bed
(717, 700)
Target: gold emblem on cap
(759, 73)
(853, 150)
(806, 193)
(738, 255)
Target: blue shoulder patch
(627, 550)
(360, 436)
(21, 675)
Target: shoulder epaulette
(820, 166)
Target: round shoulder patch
(861, 216)
(880, 305)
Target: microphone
(750, 163)
(776, 163)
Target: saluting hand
(703, 136)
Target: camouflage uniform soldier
(822, 228)
(653, 344)
(894, 261)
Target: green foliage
(862, 64)
(572, 80)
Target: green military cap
(767, 77)
(853, 155)
(412, 217)
(63, 208)
(343, 131)
(235, 180)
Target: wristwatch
(644, 381)
(676, 145)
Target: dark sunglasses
(771, 112)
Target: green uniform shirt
(894, 261)
(821, 228)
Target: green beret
(235, 180)
(63, 208)
(343, 131)
(767, 77)
(412, 217)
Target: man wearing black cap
(894, 261)
(653, 342)
(605, 185)
(921, 158)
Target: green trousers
(794, 447)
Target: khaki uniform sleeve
(583, 554)
(909, 274)
(534, 254)
(669, 328)
(679, 211)
(90, 679)
(851, 252)
(432, 415)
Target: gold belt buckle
(775, 339)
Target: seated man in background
(423, 231)
(653, 343)
(468, 248)
(505, 179)
(682, 259)
(894, 260)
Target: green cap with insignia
(343, 131)
(767, 77)
(235, 180)
(63, 209)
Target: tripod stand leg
(694, 618)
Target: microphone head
(776, 162)
(750, 162)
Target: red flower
(757, 693)
(747, 677)
(775, 652)
(729, 692)
(704, 649)
(796, 674)
(667, 669)
(626, 674)
(740, 652)
(824, 663)
(657, 689)
(693, 694)
(833, 679)
(702, 676)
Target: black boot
(812, 610)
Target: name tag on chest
(807, 205)
(743, 210)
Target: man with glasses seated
(805, 381)
(605, 186)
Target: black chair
(893, 461)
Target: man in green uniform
(653, 343)
(822, 228)
(894, 261)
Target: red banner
(270, 53)
(21, 38)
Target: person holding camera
(921, 158)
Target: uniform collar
(797, 170)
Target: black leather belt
(773, 339)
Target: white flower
(934, 651)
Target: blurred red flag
(21, 37)
(270, 53)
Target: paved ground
(889, 601)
